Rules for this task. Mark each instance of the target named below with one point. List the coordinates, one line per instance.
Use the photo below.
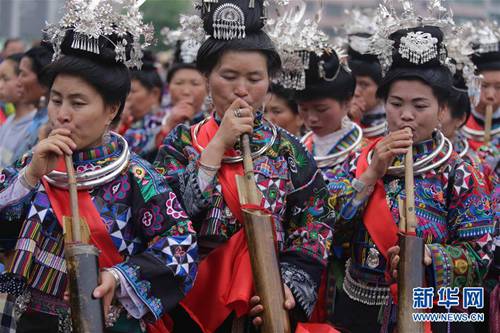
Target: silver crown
(93, 19)
(190, 35)
(295, 38)
(459, 50)
(416, 47)
(481, 36)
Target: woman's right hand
(232, 126)
(47, 152)
(396, 143)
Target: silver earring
(106, 137)
(386, 128)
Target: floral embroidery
(117, 191)
(152, 219)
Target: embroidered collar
(96, 154)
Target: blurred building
(333, 10)
(26, 18)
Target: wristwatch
(358, 185)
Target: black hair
(212, 50)
(458, 99)
(16, 58)
(288, 95)
(438, 78)
(341, 88)
(40, 57)
(176, 66)
(364, 68)
(112, 82)
(148, 75)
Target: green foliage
(165, 13)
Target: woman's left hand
(257, 308)
(105, 290)
(393, 254)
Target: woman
(15, 130)
(188, 91)
(147, 243)
(144, 111)
(201, 163)
(281, 109)
(187, 85)
(32, 80)
(484, 41)
(446, 188)
(324, 105)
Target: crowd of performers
(156, 155)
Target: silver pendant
(373, 258)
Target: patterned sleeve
(342, 196)
(141, 140)
(464, 260)
(307, 225)
(164, 272)
(14, 202)
(177, 161)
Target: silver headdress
(93, 19)
(417, 47)
(360, 26)
(190, 36)
(460, 63)
(481, 37)
(295, 38)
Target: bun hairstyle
(486, 61)
(422, 66)
(364, 64)
(327, 77)
(111, 78)
(458, 99)
(233, 26)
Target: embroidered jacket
(293, 191)
(145, 222)
(346, 141)
(487, 153)
(141, 135)
(454, 214)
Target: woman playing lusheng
(197, 163)
(147, 243)
(454, 213)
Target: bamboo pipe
(488, 119)
(73, 196)
(411, 268)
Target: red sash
(99, 236)
(224, 281)
(377, 218)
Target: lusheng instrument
(488, 119)
(259, 231)
(82, 266)
(411, 263)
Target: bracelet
(209, 168)
(24, 181)
(113, 272)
